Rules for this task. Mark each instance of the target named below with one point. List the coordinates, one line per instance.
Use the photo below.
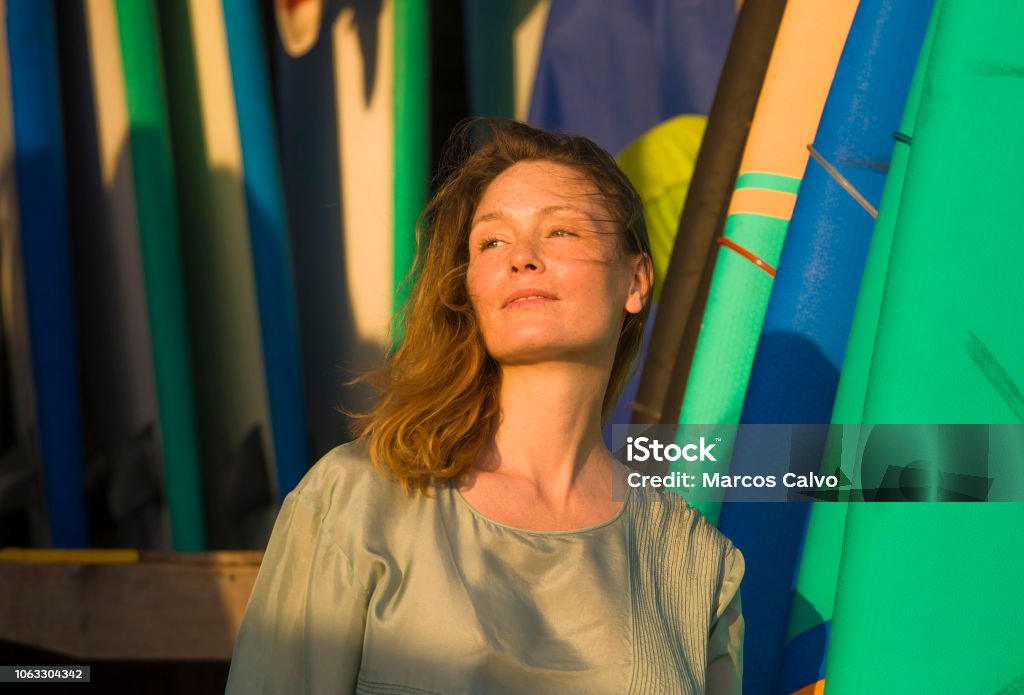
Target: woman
(485, 550)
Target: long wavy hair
(439, 387)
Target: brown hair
(439, 387)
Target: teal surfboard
(811, 618)
(947, 350)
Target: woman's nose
(525, 256)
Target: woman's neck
(549, 434)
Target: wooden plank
(164, 606)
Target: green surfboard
(929, 594)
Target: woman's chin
(549, 353)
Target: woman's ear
(640, 282)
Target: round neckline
(460, 500)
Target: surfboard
(411, 46)
(614, 71)
(349, 210)
(946, 351)
(268, 233)
(807, 319)
(660, 166)
(503, 41)
(123, 462)
(787, 115)
(811, 618)
(235, 434)
(157, 218)
(690, 262)
(785, 120)
(42, 214)
(22, 504)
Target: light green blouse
(366, 589)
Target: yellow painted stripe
(365, 122)
(48, 556)
(760, 201)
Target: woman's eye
(561, 233)
(489, 243)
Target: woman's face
(547, 275)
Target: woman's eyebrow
(488, 217)
(550, 209)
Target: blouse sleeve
(725, 644)
(303, 626)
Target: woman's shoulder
(350, 494)
(345, 471)
(668, 518)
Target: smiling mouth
(531, 299)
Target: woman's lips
(528, 297)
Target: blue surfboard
(268, 231)
(42, 209)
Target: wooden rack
(124, 605)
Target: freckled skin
(542, 227)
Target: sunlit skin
(550, 283)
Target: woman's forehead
(541, 188)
